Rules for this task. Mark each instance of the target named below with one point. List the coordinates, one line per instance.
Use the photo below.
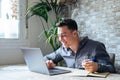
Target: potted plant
(42, 9)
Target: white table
(21, 72)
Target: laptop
(35, 62)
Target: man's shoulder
(92, 42)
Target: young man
(81, 53)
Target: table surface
(21, 72)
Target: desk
(21, 72)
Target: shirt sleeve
(103, 59)
(55, 56)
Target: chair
(112, 57)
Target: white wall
(34, 30)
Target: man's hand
(90, 65)
(50, 64)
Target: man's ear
(75, 33)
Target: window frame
(22, 35)
(22, 22)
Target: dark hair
(71, 24)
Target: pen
(93, 59)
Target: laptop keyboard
(56, 70)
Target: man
(81, 53)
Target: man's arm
(102, 62)
(55, 56)
(103, 59)
(89, 65)
(50, 64)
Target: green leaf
(40, 9)
(55, 30)
(51, 41)
(48, 2)
(46, 34)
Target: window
(9, 19)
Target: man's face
(66, 36)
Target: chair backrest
(112, 57)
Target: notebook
(85, 73)
(97, 74)
(35, 62)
